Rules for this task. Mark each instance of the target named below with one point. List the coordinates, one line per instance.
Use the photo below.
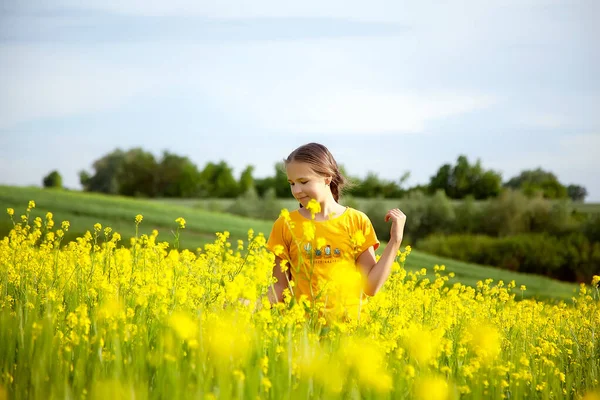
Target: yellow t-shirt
(321, 255)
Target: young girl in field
(325, 252)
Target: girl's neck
(329, 209)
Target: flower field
(106, 316)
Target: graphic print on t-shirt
(322, 253)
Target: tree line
(139, 173)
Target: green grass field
(83, 210)
(539, 287)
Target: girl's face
(306, 184)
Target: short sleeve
(277, 238)
(369, 234)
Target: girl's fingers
(394, 213)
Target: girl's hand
(398, 220)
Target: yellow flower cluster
(149, 320)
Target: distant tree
(486, 185)
(464, 179)
(217, 180)
(137, 175)
(177, 176)
(532, 182)
(403, 179)
(442, 180)
(104, 179)
(53, 180)
(369, 187)
(246, 179)
(373, 186)
(280, 182)
(576, 192)
(264, 184)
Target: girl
(325, 251)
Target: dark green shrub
(572, 258)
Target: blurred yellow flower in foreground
(485, 341)
(314, 207)
(433, 388)
(185, 327)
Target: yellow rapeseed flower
(224, 342)
(308, 229)
(285, 214)
(10, 211)
(31, 205)
(485, 341)
(433, 388)
(314, 207)
(422, 344)
(283, 265)
(266, 383)
(139, 218)
(358, 239)
(181, 222)
(208, 311)
(185, 327)
(278, 249)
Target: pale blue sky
(388, 86)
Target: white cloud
(545, 120)
(349, 112)
(44, 81)
(375, 10)
(320, 86)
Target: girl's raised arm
(377, 272)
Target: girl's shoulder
(286, 215)
(354, 213)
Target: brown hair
(322, 163)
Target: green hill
(83, 210)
